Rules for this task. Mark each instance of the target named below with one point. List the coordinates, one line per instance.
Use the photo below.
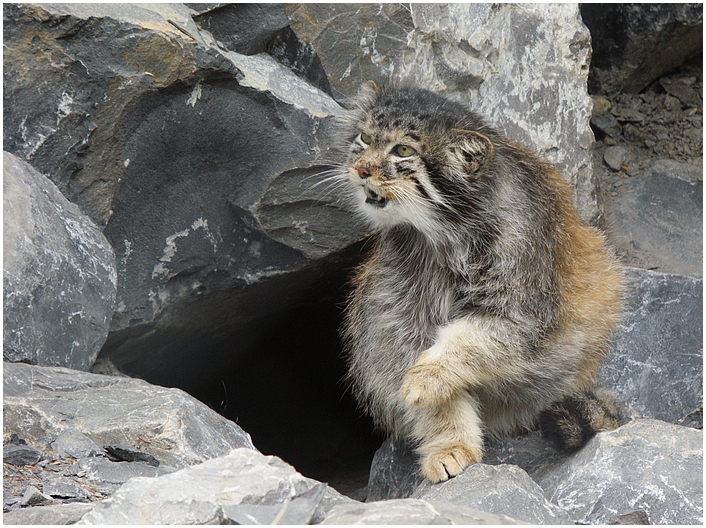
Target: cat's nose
(363, 172)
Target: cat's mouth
(373, 198)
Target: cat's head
(414, 157)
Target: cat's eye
(404, 151)
(365, 138)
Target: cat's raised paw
(426, 385)
(446, 462)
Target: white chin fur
(396, 212)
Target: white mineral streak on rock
(645, 465)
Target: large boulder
(524, 67)
(200, 163)
(645, 465)
(656, 364)
(502, 489)
(412, 512)
(59, 277)
(241, 487)
(40, 403)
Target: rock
(615, 156)
(300, 510)
(656, 219)
(607, 124)
(634, 44)
(33, 497)
(531, 82)
(411, 511)
(109, 475)
(182, 152)
(243, 28)
(199, 494)
(20, 455)
(60, 514)
(167, 423)
(633, 517)
(656, 364)
(503, 490)
(646, 464)
(59, 278)
(64, 489)
(119, 453)
(73, 443)
(394, 472)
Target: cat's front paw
(426, 385)
(447, 462)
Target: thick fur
(485, 300)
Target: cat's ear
(367, 94)
(470, 151)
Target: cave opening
(288, 390)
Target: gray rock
(101, 471)
(59, 514)
(656, 219)
(503, 490)
(411, 512)
(299, 510)
(394, 472)
(656, 364)
(644, 465)
(64, 488)
(524, 67)
(119, 453)
(243, 28)
(167, 423)
(59, 278)
(199, 494)
(634, 44)
(33, 497)
(171, 144)
(633, 518)
(20, 455)
(73, 443)
(615, 156)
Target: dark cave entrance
(288, 390)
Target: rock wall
(166, 203)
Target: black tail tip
(573, 421)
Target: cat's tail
(571, 422)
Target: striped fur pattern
(485, 299)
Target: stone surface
(633, 44)
(243, 28)
(656, 364)
(73, 443)
(615, 156)
(60, 514)
(167, 423)
(644, 465)
(411, 512)
(478, 53)
(109, 475)
(394, 472)
(199, 494)
(172, 144)
(656, 218)
(20, 455)
(59, 278)
(117, 452)
(503, 490)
